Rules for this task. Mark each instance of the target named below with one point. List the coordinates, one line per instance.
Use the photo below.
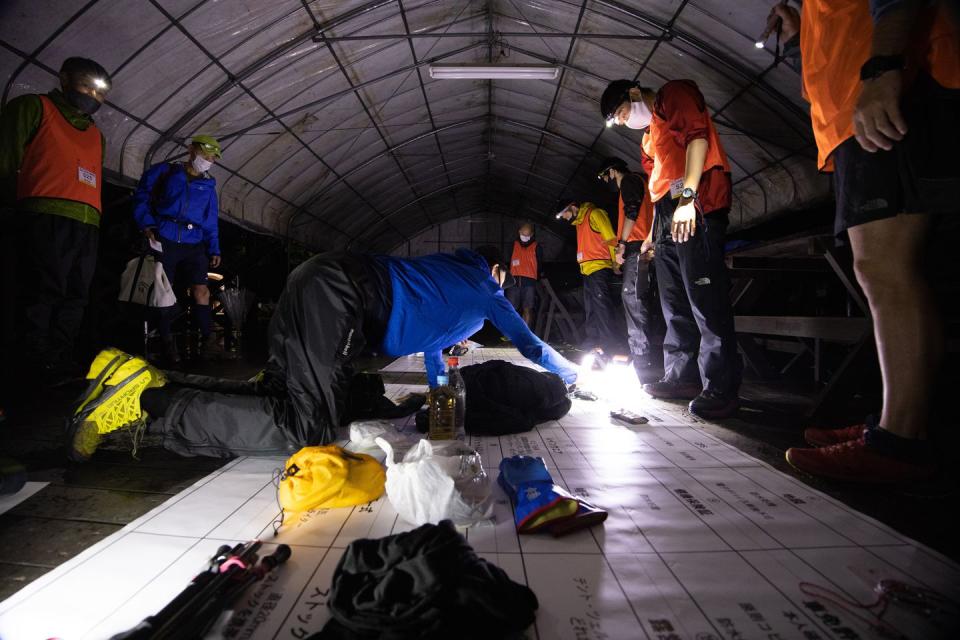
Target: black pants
(641, 308)
(332, 305)
(58, 258)
(700, 345)
(598, 308)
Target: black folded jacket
(427, 583)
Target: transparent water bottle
(443, 411)
(460, 390)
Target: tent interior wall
(336, 136)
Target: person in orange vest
(691, 192)
(596, 249)
(635, 250)
(51, 178)
(526, 267)
(883, 81)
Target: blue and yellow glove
(537, 501)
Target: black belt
(186, 225)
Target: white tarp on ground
(703, 542)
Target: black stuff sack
(504, 398)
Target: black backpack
(504, 398)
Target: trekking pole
(211, 612)
(179, 624)
(171, 621)
(149, 626)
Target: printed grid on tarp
(702, 542)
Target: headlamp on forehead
(616, 93)
(612, 162)
(86, 72)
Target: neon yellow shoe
(102, 367)
(117, 407)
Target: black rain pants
(332, 306)
(641, 308)
(700, 345)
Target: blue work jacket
(181, 210)
(441, 299)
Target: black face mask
(611, 185)
(82, 101)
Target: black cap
(616, 93)
(86, 67)
(613, 162)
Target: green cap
(208, 143)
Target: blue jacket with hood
(441, 299)
(180, 210)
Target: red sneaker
(819, 437)
(854, 461)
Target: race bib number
(676, 188)
(514, 263)
(87, 177)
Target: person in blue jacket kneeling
(333, 305)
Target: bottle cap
(453, 361)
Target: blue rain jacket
(441, 299)
(180, 210)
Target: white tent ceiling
(334, 133)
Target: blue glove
(519, 470)
(537, 501)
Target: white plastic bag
(364, 433)
(161, 295)
(430, 485)
(144, 282)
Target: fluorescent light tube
(494, 71)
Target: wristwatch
(688, 193)
(878, 65)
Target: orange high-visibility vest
(590, 244)
(835, 41)
(524, 260)
(643, 223)
(62, 161)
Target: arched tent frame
(335, 135)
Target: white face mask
(639, 117)
(524, 238)
(201, 164)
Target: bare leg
(907, 328)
